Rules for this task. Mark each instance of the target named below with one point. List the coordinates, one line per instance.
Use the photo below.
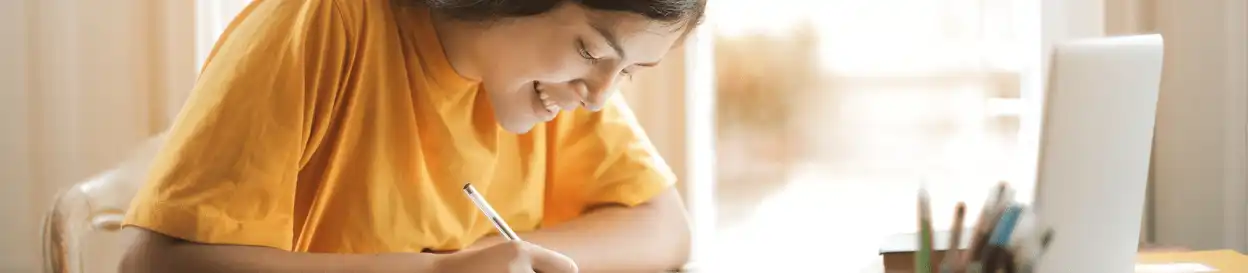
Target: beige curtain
(1199, 188)
(82, 83)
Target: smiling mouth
(547, 101)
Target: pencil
(987, 221)
(490, 213)
(992, 258)
(955, 239)
(924, 257)
(1008, 259)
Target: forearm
(649, 238)
(159, 253)
(618, 240)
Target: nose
(591, 92)
(595, 92)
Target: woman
(335, 135)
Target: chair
(97, 204)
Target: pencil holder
(1007, 238)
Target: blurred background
(800, 129)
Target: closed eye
(584, 51)
(629, 74)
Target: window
(829, 115)
(211, 18)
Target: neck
(458, 43)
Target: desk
(1223, 260)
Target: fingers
(547, 261)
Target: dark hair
(689, 12)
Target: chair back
(97, 204)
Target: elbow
(141, 254)
(147, 251)
(680, 254)
(678, 230)
(139, 259)
(131, 263)
(682, 242)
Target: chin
(517, 129)
(516, 125)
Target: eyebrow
(612, 40)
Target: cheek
(559, 67)
(538, 60)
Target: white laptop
(1095, 146)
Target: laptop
(1095, 145)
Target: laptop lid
(1095, 145)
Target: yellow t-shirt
(339, 126)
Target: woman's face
(534, 67)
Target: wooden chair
(98, 204)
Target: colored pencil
(950, 261)
(923, 260)
(987, 220)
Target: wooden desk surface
(1223, 260)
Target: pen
(490, 213)
(949, 263)
(987, 221)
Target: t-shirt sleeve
(228, 172)
(602, 158)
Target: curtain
(83, 83)
(1198, 183)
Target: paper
(1173, 268)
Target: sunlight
(907, 92)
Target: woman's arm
(610, 201)
(154, 252)
(648, 238)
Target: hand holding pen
(513, 256)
